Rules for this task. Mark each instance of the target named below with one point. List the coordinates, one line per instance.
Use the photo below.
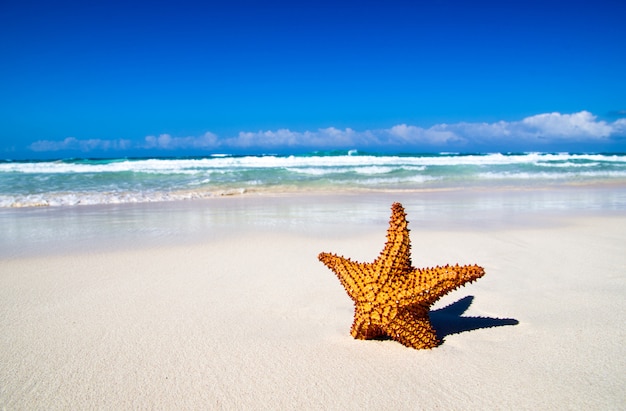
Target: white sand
(247, 318)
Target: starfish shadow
(449, 320)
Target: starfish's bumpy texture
(391, 297)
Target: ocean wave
(383, 182)
(223, 162)
(552, 176)
(367, 170)
(84, 181)
(95, 198)
(567, 164)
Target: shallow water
(61, 230)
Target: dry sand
(245, 317)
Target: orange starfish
(392, 298)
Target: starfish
(391, 297)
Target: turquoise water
(111, 181)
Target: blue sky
(191, 78)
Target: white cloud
(570, 126)
(541, 128)
(619, 127)
(72, 143)
(535, 131)
(403, 134)
(167, 142)
(327, 137)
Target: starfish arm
(351, 274)
(397, 251)
(412, 329)
(430, 284)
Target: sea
(83, 181)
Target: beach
(221, 303)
